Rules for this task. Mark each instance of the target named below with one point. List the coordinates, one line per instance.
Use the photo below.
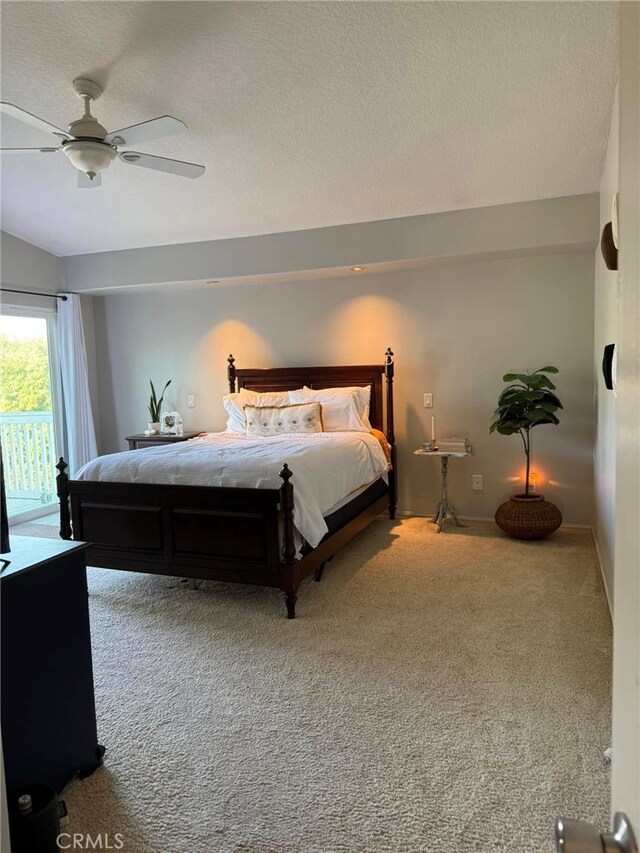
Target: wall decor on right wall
(608, 247)
(528, 401)
(609, 239)
(609, 367)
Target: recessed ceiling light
(213, 281)
(357, 269)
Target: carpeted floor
(437, 693)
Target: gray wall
(27, 267)
(553, 225)
(605, 332)
(455, 330)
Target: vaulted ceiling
(305, 114)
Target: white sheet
(351, 497)
(326, 467)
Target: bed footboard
(223, 534)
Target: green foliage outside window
(24, 375)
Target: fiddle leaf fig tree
(527, 402)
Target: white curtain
(81, 434)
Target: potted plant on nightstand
(527, 402)
(155, 406)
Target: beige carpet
(437, 693)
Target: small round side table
(445, 508)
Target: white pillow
(339, 408)
(236, 421)
(264, 398)
(363, 393)
(363, 399)
(279, 420)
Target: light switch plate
(191, 401)
(477, 482)
(428, 401)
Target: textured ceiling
(305, 114)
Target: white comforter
(326, 467)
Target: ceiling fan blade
(85, 182)
(31, 120)
(146, 130)
(28, 150)
(162, 164)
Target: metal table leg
(444, 507)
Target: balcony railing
(29, 455)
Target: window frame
(8, 309)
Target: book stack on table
(454, 445)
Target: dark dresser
(48, 715)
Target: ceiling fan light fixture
(88, 156)
(90, 149)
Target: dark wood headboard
(290, 378)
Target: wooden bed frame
(219, 533)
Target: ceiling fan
(91, 149)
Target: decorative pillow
(234, 405)
(277, 420)
(236, 421)
(339, 408)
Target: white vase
(154, 426)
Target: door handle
(578, 836)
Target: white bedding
(326, 468)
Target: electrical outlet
(191, 401)
(477, 482)
(428, 401)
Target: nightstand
(136, 442)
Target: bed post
(62, 488)
(289, 547)
(231, 374)
(391, 438)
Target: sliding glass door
(29, 409)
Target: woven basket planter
(528, 517)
